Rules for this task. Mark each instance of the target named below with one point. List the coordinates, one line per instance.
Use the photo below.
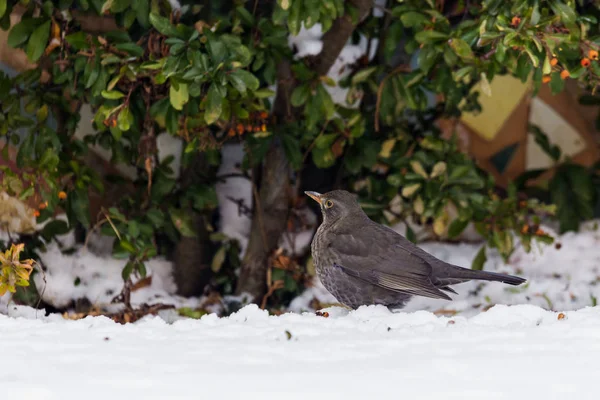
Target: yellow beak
(315, 196)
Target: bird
(361, 262)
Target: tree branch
(337, 36)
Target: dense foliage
(204, 73)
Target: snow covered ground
(468, 349)
(518, 352)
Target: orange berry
(239, 128)
(36, 213)
(525, 229)
(539, 232)
(41, 206)
(515, 21)
(546, 78)
(561, 316)
(564, 74)
(263, 128)
(554, 61)
(585, 62)
(62, 195)
(264, 114)
(593, 54)
(256, 128)
(231, 132)
(248, 128)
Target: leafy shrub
(203, 74)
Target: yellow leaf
(485, 85)
(22, 273)
(386, 148)
(439, 226)
(418, 168)
(409, 190)
(418, 205)
(438, 169)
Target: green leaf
(141, 267)
(300, 95)
(462, 49)
(291, 146)
(410, 234)
(457, 227)
(78, 208)
(127, 246)
(214, 104)
(556, 83)
(218, 259)
(242, 79)
(163, 25)
(216, 48)
(112, 94)
(55, 228)
(127, 270)
(534, 59)
(182, 222)
(323, 158)
(27, 192)
(125, 119)
(133, 229)
(426, 37)
(412, 18)
(479, 260)
(131, 48)
(362, 75)
(178, 94)
(566, 13)
(264, 93)
(573, 192)
(38, 41)
(3, 7)
(20, 32)
(294, 19)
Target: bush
(203, 73)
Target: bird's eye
(328, 204)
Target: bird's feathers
(384, 263)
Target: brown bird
(361, 262)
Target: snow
(518, 352)
(233, 222)
(491, 342)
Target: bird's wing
(375, 256)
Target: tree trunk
(271, 202)
(268, 223)
(193, 255)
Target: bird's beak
(315, 196)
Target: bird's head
(336, 204)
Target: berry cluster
(592, 55)
(256, 123)
(43, 205)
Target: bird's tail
(452, 274)
(470, 274)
